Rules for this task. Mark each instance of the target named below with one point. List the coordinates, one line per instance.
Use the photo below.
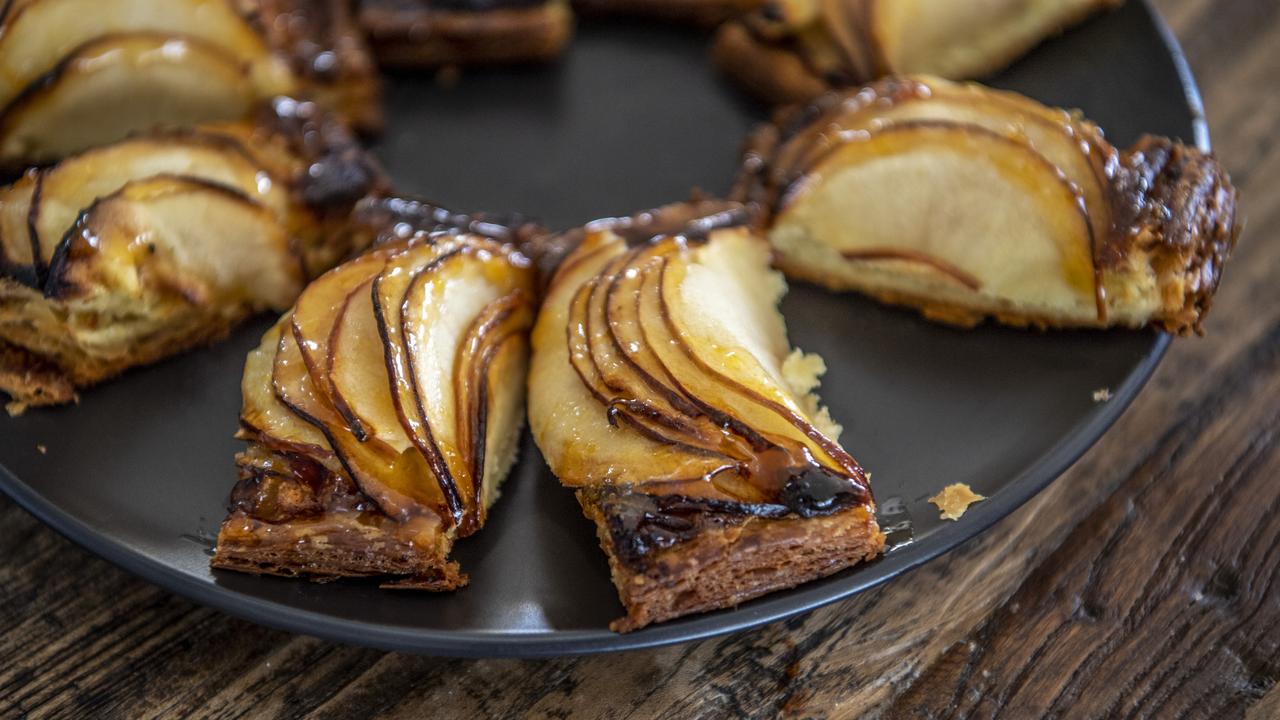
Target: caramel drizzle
(952, 271)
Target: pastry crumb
(42, 449)
(1102, 395)
(955, 500)
(16, 409)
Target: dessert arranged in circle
(176, 166)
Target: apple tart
(969, 203)
(794, 50)
(384, 409)
(664, 392)
(131, 252)
(132, 65)
(433, 33)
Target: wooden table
(1144, 583)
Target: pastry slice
(433, 33)
(794, 50)
(131, 252)
(664, 392)
(699, 12)
(133, 65)
(383, 411)
(969, 203)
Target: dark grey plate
(634, 116)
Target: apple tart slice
(383, 411)
(663, 390)
(131, 252)
(133, 65)
(431, 33)
(794, 50)
(969, 203)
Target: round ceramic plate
(632, 118)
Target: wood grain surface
(1144, 583)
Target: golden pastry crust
(1161, 217)
(74, 331)
(794, 50)
(671, 556)
(414, 34)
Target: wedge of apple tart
(969, 203)
(431, 33)
(794, 50)
(663, 390)
(384, 409)
(132, 65)
(134, 251)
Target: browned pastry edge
(354, 551)
(32, 381)
(412, 35)
(1177, 203)
(35, 381)
(710, 558)
(705, 13)
(325, 47)
(293, 516)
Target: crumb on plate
(1101, 396)
(955, 500)
(43, 450)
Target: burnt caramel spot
(814, 491)
(640, 526)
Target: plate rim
(560, 643)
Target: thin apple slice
(316, 313)
(205, 243)
(126, 83)
(406, 486)
(64, 190)
(726, 402)
(261, 412)
(721, 306)
(370, 463)
(16, 254)
(963, 40)
(37, 35)
(1074, 146)
(996, 210)
(440, 304)
(358, 380)
(484, 368)
(572, 427)
(636, 388)
(389, 289)
(498, 394)
(292, 385)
